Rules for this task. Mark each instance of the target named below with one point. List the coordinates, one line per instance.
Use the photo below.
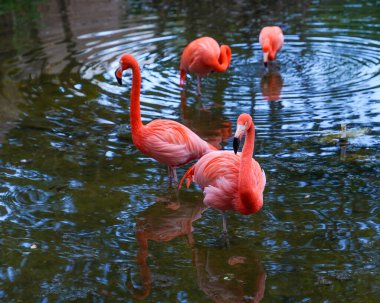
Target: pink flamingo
(167, 141)
(229, 181)
(271, 40)
(203, 56)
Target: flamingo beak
(236, 144)
(265, 58)
(240, 129)
(119, 75)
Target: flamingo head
(244, 122)
(125, 62)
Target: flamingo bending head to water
(271, 40)
(231, 180)
(203, 56)
(167, 141)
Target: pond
(86, 217)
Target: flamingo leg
(224, 216)
(199, 80)
(225, 233)
(175, 175)
(169, 176)
(172, 171)
(190, 239)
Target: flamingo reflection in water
(209, 124)
(271, 86)
(230, 275)
(224, 275)
(162, 222)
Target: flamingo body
(229, 181)
(167, 141)
(170, 142)
(203, 56)
(271, 40)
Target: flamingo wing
(217, 173)
(278, 38)
(172, 143)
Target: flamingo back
(171, 143)
(199, 56)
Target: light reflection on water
(76, 195)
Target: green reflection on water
(76, 196)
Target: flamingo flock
(230, 180)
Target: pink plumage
(231, 181)
(271, 40)
(167, 141)
(203, 56)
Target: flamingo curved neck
(135, 114)
(224, 59)
(249, 199)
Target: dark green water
(85, 217)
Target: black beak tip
(236, 144)
(119, 80)
(266, 64)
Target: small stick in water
(343, 134)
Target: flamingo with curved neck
(167, 141)
(271, 39)
(231, 181)
(203, 56)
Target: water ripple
(318, 80)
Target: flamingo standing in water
(167, 141)
(271, 39)
(203, 56)
(230, 181)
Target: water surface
(85, 217)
